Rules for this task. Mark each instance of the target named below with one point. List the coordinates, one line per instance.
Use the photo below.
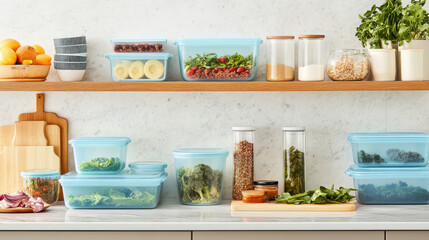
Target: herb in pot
(392, 193)
(414, 24)
(200, 184)
(320, 195)
(101, 164)
(294, 172)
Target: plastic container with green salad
(42, 183)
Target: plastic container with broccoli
(199, 174)
(390, 149)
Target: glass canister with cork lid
(281, 58)
(310, 59)
(293, 157)
(243, 160)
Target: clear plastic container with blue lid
(199, 174)
(100, 155)
(390, 149)
(214, 59)
(139, 66)
(394, 185)
(124, 45)
(148, 168)
(41, 183)
(123, 190)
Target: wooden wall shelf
(170, 86)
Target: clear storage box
(122, 190)
(391, 185)
(218, 58)
(390, 149)
(100, 155)
(138, 45)
(199, 174)
(138, 66)
(41, 183)
(148, 168)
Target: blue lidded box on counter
(100, 155)
(123, 190)
(214, 59)
(390, 149)
(394, 185)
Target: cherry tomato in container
(194, 68)
(223, 60)
(200, 70)
(216, 69)
(232, 69)
(208, 71)
(190, 72)
(240, 69)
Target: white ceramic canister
(383, 64)
(412, 64)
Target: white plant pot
(417, 44)
(411, 64)
(383, 64)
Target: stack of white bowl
(70, 58)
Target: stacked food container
(70, 58)
(391, 168)
(100, 181)
(138, 60)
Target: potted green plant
(379, 30)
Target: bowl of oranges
(23, 63)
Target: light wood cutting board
(30, 133)
(15, 159)
(50, 118)
(237, 205)
(52, 133)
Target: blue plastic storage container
(124, 190)
(139, 66)
(396, 185)
(148, 168)
(100, 155)
(200, 58)
(123, 45)
(390, 149)
(199, 174)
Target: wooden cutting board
(271, 206)
(21, 209)
(15, 159)
(30, 133)
(50, 118)
(52, 133)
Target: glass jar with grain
(281, 58)
(293, 157)
(243, 160)
(271, 188)
(310, 58)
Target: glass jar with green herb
(293, 158)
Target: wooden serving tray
(237, 205)
(21, 209)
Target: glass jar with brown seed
(243, 160)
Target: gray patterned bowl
(69, 41)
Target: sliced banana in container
(121, 69)
(136, 70)
(154, 69)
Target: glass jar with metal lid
(293, 157)
(271, 188)
(310, 58)
(281, 58)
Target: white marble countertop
(170, 216)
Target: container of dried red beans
(138, 45)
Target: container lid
(100, 141)
(200, 152)
(243, 129)
(138, 56)
(266, 183)
(280, 37)
(293, 128)
(389, 137)
(138, 40)
(218, 41)
(40, 173)
(311, 36)
(148, 165)
(253, 193)
(388, 172)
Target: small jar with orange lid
(281, 58)
(253, 196)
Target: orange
(43, 59)
(10, 43)
(27, 62)
(7, 56)
(39, 49)
(26, 53)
